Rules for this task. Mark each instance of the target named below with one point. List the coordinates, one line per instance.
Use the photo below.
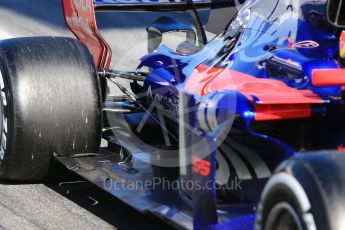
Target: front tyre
(50, 104)
(306, 193)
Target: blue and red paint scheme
(243, 67)
(273, 62)
(276, 61)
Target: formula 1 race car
(244, 131)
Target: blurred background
(124, 31)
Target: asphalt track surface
(71, 203)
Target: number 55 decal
(201, 167)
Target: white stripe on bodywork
(241, 168)
(259, 165)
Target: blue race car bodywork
(252, 97)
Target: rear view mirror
(164, 25)
(336, 13)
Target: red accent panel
(281, 112)
(80, 18)
(328, 77)
(273, 99)
(201, 167)
(206, 80)
(341, 148)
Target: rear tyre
(306, 193)
(50, 104)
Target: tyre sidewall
(272, 199)
(303, 194)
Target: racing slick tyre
(306, 193)
(50, 104)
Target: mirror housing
(164, 25)
(336, 13)
(187, 48)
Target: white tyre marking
(3, 142)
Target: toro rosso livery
(245, 131)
